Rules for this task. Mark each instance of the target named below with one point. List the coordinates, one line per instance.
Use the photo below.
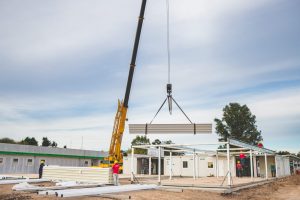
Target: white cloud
(282, 105)
(56, 29)
(55, 32)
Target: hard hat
(238, 161)
(116, 161)
(42, 161)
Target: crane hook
(169, 96)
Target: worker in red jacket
(260, 144)
(242, 158)
(239, 168)
(115, 169)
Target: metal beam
(245, 145)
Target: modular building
(294, 163)
(25, 159)
(187, 160)
(206, 165)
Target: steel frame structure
(191, 148)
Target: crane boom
(134, 53)
(120, 118)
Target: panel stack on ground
(79, 174)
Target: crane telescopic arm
(120, 118)
(134, 53)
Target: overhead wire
(169, 85)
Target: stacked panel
(79, 174)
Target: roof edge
(50, 155)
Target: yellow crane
(120, 118)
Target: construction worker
(260, 144)
(242, 158)
(239, 168)
(42, 164)
(115, 169)
(273, 170)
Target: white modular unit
(205, 166)
(127, 165)
(282, 166)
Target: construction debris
(24, 186)
(97, 190)
(44, 190)
(7, 182)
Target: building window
(15, 161)
(210, 165)
(29, 162)
(86, 162)
(185, 164)
(1, 161)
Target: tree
(140, 140)
(283, 153)
(29, 141)
(167, 142)
(239, 123)
(156, 142)
(124, 153)
(298, 154)
(7, 140)
(54, 144)
(46, 142)
(166, 153)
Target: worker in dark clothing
(41, 169)
(273, 170)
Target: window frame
(185, 164)
(15, 161)
(29, 163)
(210, 165)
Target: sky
(64, 65)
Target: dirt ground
(287, 189)
(211, 181)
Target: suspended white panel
(170, 128)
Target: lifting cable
(169, 85)
(168, 40)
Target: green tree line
(29, 141)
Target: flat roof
(30, 150)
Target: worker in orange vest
(115, 169)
